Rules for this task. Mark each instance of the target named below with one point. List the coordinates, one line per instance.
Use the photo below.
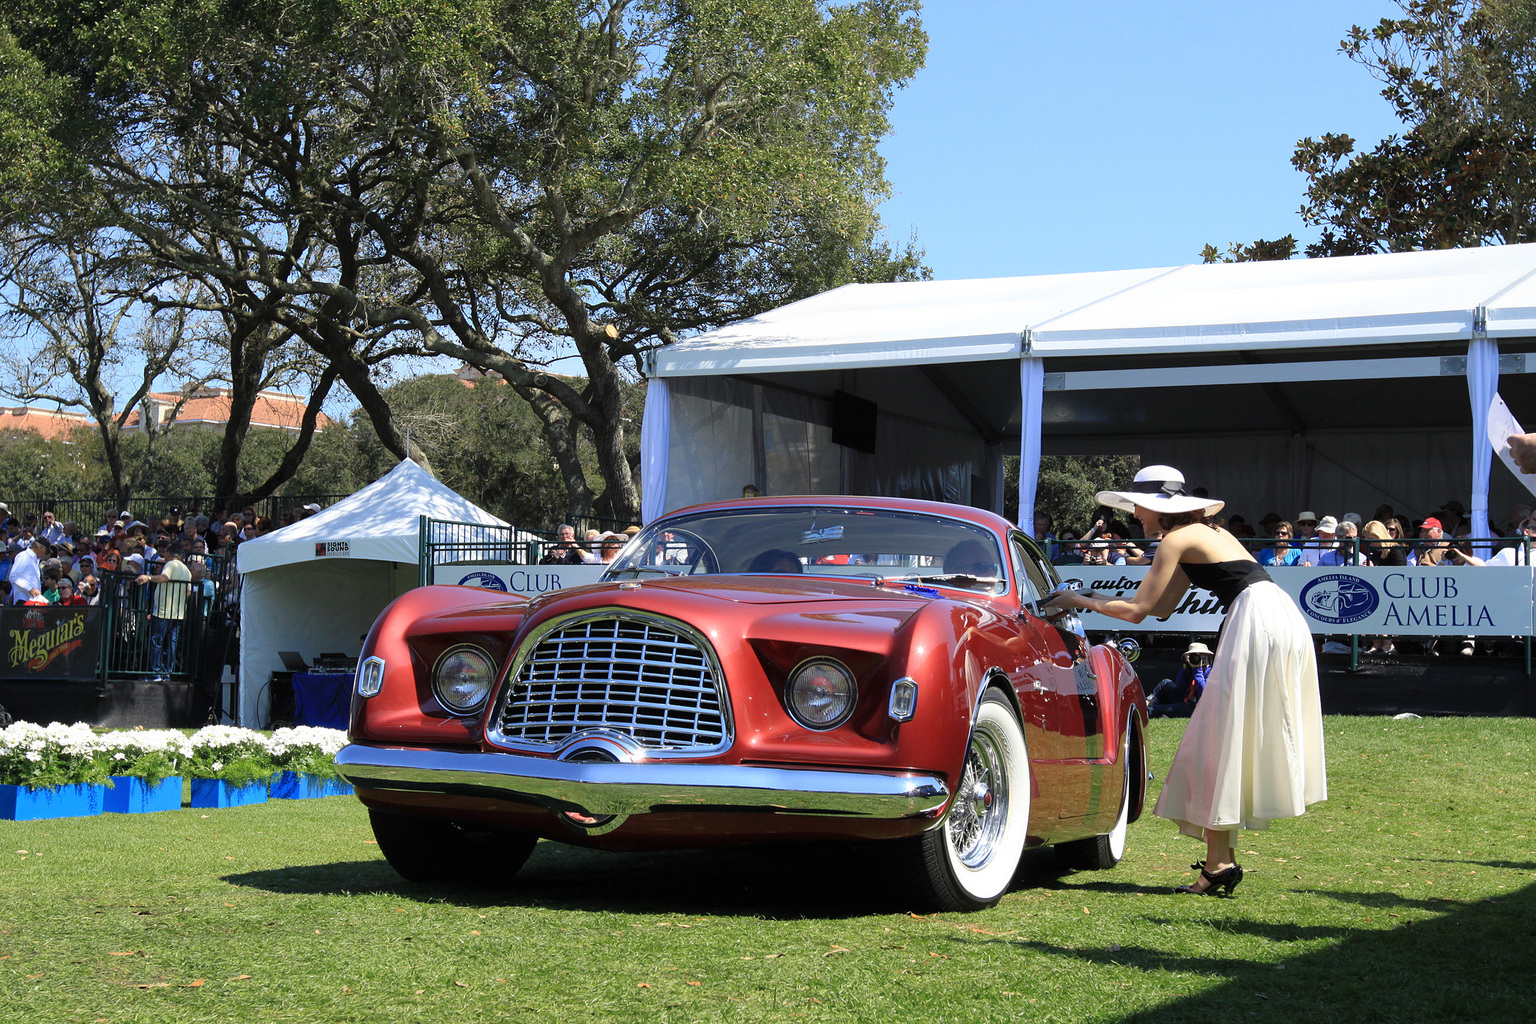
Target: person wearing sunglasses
(1282, 553)
(1378, 545)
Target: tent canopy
(1351, 301)
(1337, 383)
(380, 523)
(317, 586)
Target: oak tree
(503, 182)
(1459, 75)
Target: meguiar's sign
(50, 642)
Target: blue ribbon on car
(917, 588)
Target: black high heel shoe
(1220, 884)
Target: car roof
(966, 513)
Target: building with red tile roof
(54, 424)
(209, 408)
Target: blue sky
(1051, 137)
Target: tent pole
(1482, 386)
(422, 577)
(1032, 394)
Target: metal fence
(89, 513)
(445, 542)
(1099, 551)
(175, 631)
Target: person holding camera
(1176, 697)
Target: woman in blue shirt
(1282, 553)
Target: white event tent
(1330, 384)
(316, 586)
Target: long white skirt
(1253, 750)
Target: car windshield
(886, 544)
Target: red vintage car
(806, 668)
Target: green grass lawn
(1408, 896)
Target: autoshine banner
(50, 642)
(525, 580)
(1491, 600)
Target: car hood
(742, 608)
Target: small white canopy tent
(1334, 384)
(317, 585)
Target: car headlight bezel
(454, 702)
(821, 693)
(370, 677)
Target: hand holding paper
(1515, 447)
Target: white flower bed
(51, 755)
(56, 754)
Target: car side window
(1034, 581)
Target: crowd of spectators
(170, 567)
(1388, 538)
(1310, 539)
(597, 548)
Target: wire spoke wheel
(968, 861)
(981, 805)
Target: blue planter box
(23, 803)
(338, 787)
(218, 793)
(297, 786)
(131, 795)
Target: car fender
(404, 710)
(957, 650)
(1123, 705)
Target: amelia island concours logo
(488, 580)
(1339, 598)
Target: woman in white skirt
(1253, 750)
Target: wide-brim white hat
(1161, 489)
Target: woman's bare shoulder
(1201, 543)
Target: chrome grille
(638, 676)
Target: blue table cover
(322, 699)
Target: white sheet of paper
(1501, 424)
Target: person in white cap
(1323, 549)
(1177, 697)
(1253, 750)
(1306, 528)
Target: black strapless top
(1225, 579)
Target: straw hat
(1161, 489)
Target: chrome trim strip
(599, 788)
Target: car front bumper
(603, 788)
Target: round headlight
(462, 679)
(821, 693)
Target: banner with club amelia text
(1491, 600)
(50, 642)
(523, 580)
